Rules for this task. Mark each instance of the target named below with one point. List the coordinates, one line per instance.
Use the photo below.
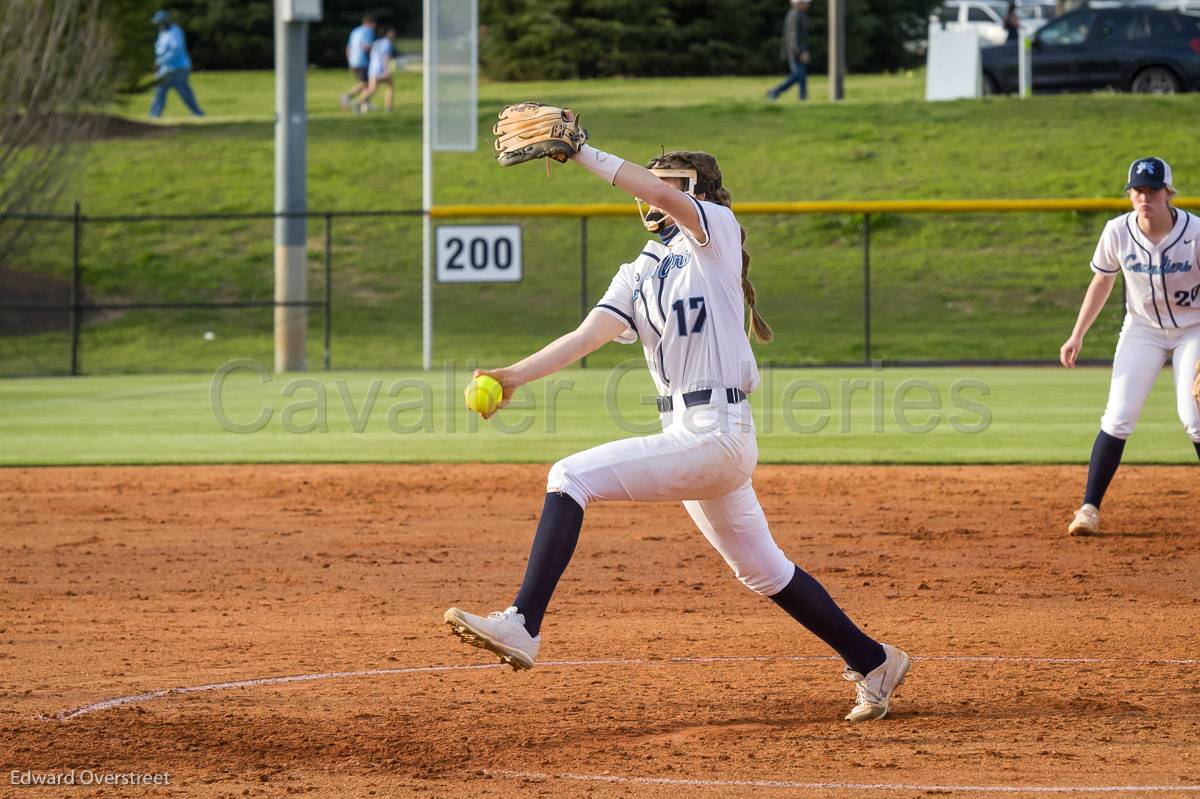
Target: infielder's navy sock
(810, 604)
(1196, 444)
(553, 544)
(1106, 457)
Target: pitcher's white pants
(1141, 353)
(704, 457)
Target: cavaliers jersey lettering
(1162, 282)
(684, 302)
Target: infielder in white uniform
(683, 297)
(1157, 248)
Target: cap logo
(1145, 166)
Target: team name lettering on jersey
(673, 261)
(1167, 266)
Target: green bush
(531, 39)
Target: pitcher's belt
(701, 396)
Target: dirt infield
(1041, 661)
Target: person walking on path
(795, 50)
(379, 71)
(172, 66)
(1012, 23)
(358, 52)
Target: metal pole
(1024, 64)
(291, 321)
(837, 49)
(76, 279)
(328, 287)
(867, 289)
(427, 191)
(583, 279)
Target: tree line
(531, 39)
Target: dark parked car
(1141, 50)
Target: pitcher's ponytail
(759, 330)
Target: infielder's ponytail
(759, 329)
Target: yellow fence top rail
(815, 207)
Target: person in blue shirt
(172, 67)
(358, 52)
(379, 70)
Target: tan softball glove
(528, 131)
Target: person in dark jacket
(795, 50)
(1012, 22)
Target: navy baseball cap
(1149, 173)
(160, 17)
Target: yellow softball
(483, 395)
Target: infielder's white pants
(704, 457)
(1141, 353)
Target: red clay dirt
(118, 581)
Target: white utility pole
(291, 124)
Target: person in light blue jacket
(172, 67)
(379, 71)
(358, 54)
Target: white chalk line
(845, 786)
(257, 682)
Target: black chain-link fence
(86, 294)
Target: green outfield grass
(996, 415)
(943, 287)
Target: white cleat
(502, 632)
(1086, 522)
(875, 690)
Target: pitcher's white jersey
(1162, 281)
(684, 301)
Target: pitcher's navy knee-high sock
(1106, 457)
(1196, 444)
(810, 604)
(553, 544)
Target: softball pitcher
(683, 297)
(1156, 248)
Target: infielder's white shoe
(875, 690)
(502, 632)
(1087, 521)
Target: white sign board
(479, 253)
(953, 66)
(453, 77)
(300, 10)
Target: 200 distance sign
(478, 253)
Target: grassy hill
(990, 286)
